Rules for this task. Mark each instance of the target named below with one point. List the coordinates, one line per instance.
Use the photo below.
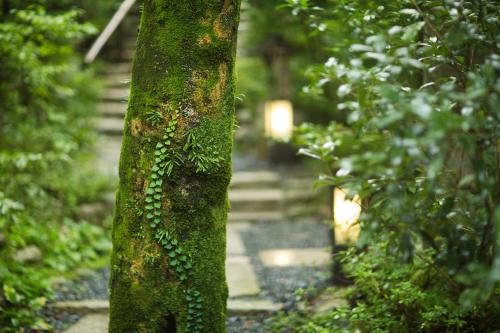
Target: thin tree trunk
(169, 229)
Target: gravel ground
(278, 284)
(93, 285)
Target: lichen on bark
(183, 70)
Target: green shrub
(46, 105)
(417, 83)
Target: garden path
(262, 277)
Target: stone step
(255, 216)
(252, 306)
(112, 109)
(98, 322)
(243, 200)
(118, 68)
(251, 179)
(110, 126)
(94, 212)
(241, 278)
(235, 245)
(92, 323)
(295, 257)
(116, 94)
(108, 151)
(117, 80)
(127, 54)
(82, 307)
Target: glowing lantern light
(279, 119)
(345, 217)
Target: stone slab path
(295, 257)
(92, 323)
(241, 278)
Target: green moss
(184, 64)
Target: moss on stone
(184, 62)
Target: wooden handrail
(108, 31)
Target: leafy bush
(417, 83)
(46, 103)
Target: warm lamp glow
(345, 216)
(279, 119)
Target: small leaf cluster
(161, 166)
(195, 307)
(203, 158)
(178, 260)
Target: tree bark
(169, 228)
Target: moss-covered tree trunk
(169, 233)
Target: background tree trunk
(169, 229)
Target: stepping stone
(235, 244)
(254, 216)
(92, 323)
(295, 257)
(28, 254)
(241, 278)
(248, 307)
(82, 307)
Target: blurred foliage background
(47, 101)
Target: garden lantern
(345, 217)
(278, 119)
